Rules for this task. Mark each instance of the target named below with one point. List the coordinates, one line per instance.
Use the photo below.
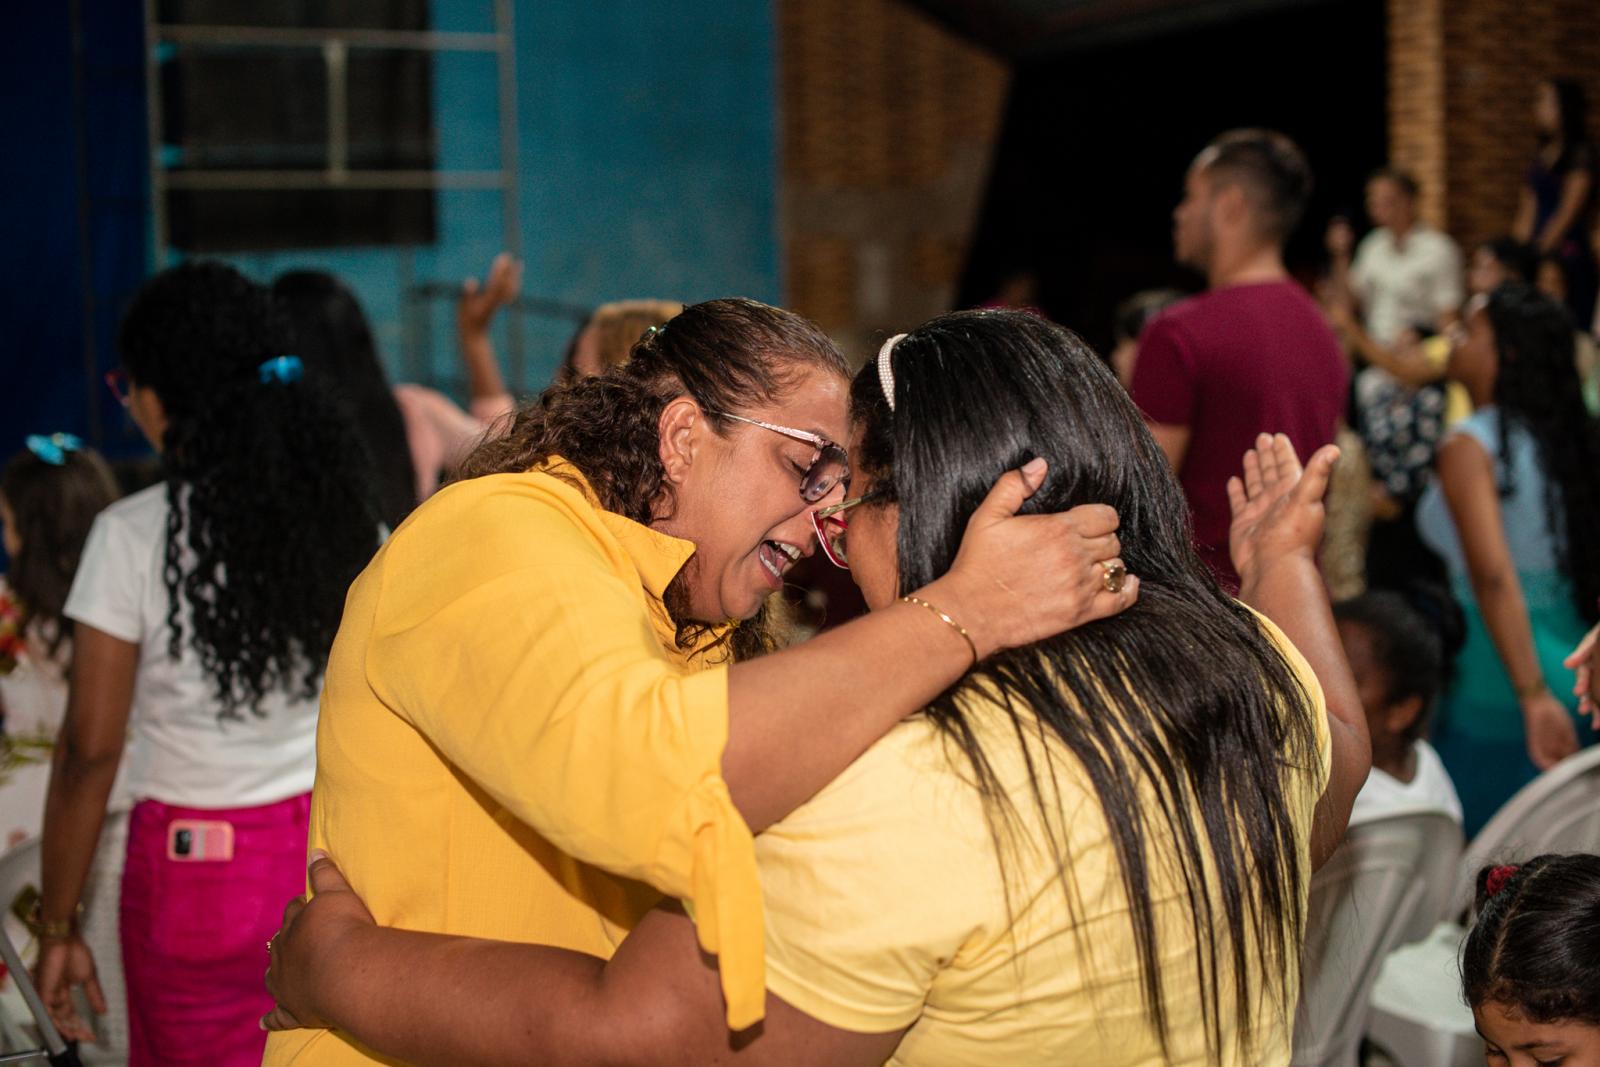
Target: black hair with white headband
(1183, 694)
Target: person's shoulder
(143, 513)
(909, 785)
(1180, 313)
(533, 496)
(1483, 426)
(1436, 241)
(1374, 241)
(906, 752)
(1177, 325)
(495, 524)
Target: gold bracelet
(1531, 690)
(52, 929)
(947, 620)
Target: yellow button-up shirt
(512, 746)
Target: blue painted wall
(647, 142)
(647, 158)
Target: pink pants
(194, 934)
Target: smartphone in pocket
(199, 840)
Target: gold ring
(1114, 575)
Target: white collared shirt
(1404, 286)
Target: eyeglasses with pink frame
(831, 526)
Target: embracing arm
(584, 731)
(1405, 360)
(799, 717)
(491, 1003)
(1466, 476)
(1279, 578)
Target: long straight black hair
(333, 337)
(1183, 694)
(1538, 388)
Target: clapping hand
(1277, 504)
(1585, 661)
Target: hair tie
(283, 369)
(53, 449)
(886, 371)
(1497, 879)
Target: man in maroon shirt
(1253, 353)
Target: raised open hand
(1277, 504)
(477, 304)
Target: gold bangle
(948, 621)
(52, 929)
(1531, 690)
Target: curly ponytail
(272, 507)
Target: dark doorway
(1095, 143)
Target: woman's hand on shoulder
(1021, 578)
(1277, 504)
(307, 946)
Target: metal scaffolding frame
(335, 45)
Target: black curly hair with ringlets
(272, 507)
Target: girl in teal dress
(1515, 513)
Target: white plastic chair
(1559, 811)
(1381, 888)
(102, 894)
(1418, 1016)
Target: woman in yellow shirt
(1094, 849)
(539, 715)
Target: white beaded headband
(885, 371)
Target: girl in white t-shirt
(204, 611)
(1399, 655)
(49, 494)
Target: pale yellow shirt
(886, 908)
(505, 713)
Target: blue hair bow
(284, 369)
(53, 449)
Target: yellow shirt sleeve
(511, 635)
(864, 905)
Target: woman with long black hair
(334, 340)
(1513, 512)
(1556, 214)
(204, 609)
(1095, 847)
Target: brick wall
(888, 123)
(1462, 77)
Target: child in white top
(1398, 660)
(205, 607)
(49, 494)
